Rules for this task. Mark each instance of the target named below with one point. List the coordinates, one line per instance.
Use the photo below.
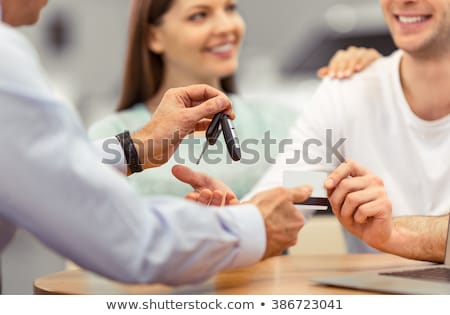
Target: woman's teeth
(222, 48)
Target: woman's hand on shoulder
(345, 63)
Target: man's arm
(89, 213)
(418, 237)
(111, 153)
(360, 203)
(54, 186)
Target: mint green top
(251, 123)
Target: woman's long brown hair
(144, 69)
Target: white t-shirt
(370, 111)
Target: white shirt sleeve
(54, 186)
(111, 153)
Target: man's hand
(181, 112)
(360, 203)
(282, 220)
(207, 190)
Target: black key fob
(214, 128)
(232, 141)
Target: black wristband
(129, 151)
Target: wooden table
(280, 275)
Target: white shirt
(382, 133)
(53, 185)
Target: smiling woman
(180, 42)
(198, 40)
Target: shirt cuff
(111, 153)
(252, 235)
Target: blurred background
(82, 46)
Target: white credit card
(318, 199)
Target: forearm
(418, 237)
(153, 150)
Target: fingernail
(221, 103)
(332, 74)
(348, 73)
(307, 189)
(329, 182)
(340, 74)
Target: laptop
(433, 279)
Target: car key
(212, 133)
(232, 141)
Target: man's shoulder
(363, 93)
(14, 43)
(366, 83)
(8, 33)
(20, 68)
(379, 70)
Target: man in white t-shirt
(393, 119)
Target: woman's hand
(347, 62)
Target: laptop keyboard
(435, 274)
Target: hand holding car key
(222, 122)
